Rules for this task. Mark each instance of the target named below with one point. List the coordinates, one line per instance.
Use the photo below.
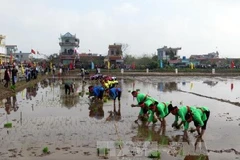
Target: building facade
(89, 60)
(22, 57)
(2, 44)
(4, 58)
(115, 55)
(205, 56)
(11, 49)
(164, 52)
(69, 45)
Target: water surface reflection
(96, 109)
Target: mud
(226, 150)
(72, 127)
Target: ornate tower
(68, 49)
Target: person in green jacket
(151, 118)
(200, 118)
(181, 112)
(161, 110)
(141, 98)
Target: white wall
(67, 47)
(3, 49)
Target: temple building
(68, 49)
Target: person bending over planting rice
(200, 118)
(150, 114)
(141, 98)
(69, 87)
(114, 93)
(96, 91)
(181, 112)
(161, 110)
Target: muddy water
(71, 126)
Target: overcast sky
(198, 26)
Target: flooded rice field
(71, 127)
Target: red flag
(11, 58)
(32, 51)
(133, 65)
(232, 64)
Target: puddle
(43, 116)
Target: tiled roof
(115, 46)
(67, 35)
(174, 61)
(11, 45)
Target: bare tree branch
(125, 48)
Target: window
(112, 52)
(17, 56)
(21, 56)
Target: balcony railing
(69, 44)
(68, 54)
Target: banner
(11, 59)
(22, 69)
(92, 65)
(161, 64)
(108, 65)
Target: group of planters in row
(152, 110)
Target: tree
(129, 59)
(125, 48)
(155, 57)
(54, 58)
(172, 54)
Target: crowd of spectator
(14, 73)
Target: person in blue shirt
(96, 91)
(115, 93)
